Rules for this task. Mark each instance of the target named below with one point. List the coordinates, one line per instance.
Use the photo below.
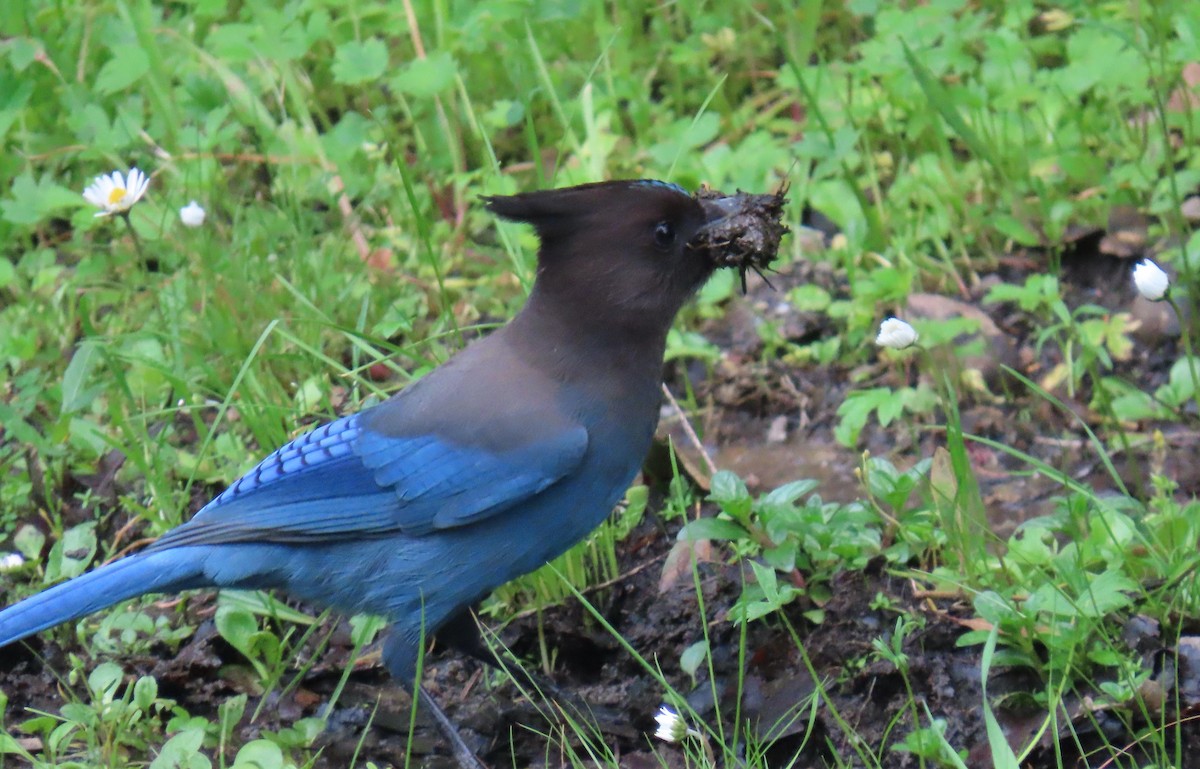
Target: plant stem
(1104, 401)
(709, 756)
(1185, 332)
(137, 242)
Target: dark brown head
(616, 252)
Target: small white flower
(896, 334)
(1151, 281)
(114, 194)
(11, 561)
(671, 727)
(192, 215)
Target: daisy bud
(1151, 281)
(896, 334)
(11, 561)
(192, 215)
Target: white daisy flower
(671, 727)
(114, 194)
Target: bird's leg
(462, 633)
(465, 757)
(404, 669)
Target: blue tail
(166, 571)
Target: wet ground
(771, 422)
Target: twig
(689, 432)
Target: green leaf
(356, 62)
(891, 408)
(855, 411)
(14, 97)
(837, 199)
(717, 288)
(942, 100)
(782, 558)
(237, 627)
(364, 628)
(71, 555)
(33, 201)
(426, 77)
(1180, 378)
(713, 528)
(809, 298)
(29, 541)
(230, 712)
(311, 392)
(1135, 406)
(104, 680)
(730, 493)
(10, 746)
(1016, 230)
(1000, 751)
(788, 493)
(145, 692)
(766, 579)
(74, 397)
(993, 607)
(182, 751)
(147, 360)
(87, 435)
(690, 344)
(125, 68)
(1050, 599)
(1106, 594)
(23, 51)
(693, 657)
(259, 754)
(256, 602)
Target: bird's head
(628, 253)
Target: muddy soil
(772, 423)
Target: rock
(1128, 233)
(997, 347)
(1155, 319)
(777, 432)
(1191, 209)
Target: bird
(485, 469)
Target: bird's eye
(664, 234)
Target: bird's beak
(740, 230)
(717, 210)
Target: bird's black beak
(718, 210)
(740, 230)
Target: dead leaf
(679, 561)
(941, 476)
(1187, 96)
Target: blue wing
(345, 480)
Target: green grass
(339, 153)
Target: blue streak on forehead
(661, 185)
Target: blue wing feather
(441, 485)
(324, 445)
(344, 480)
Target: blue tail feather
(162, 572)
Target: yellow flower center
(116, 195)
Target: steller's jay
(491, 465)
